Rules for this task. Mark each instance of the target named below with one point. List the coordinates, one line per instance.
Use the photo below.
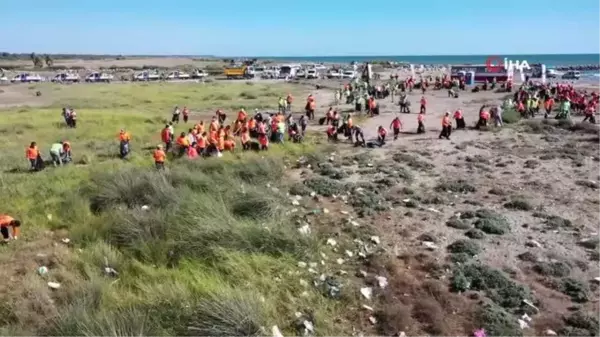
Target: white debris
(367, 292)
(354, 223)
(372, 320)
(340, 261)
(312, 264)
(369, 164)
(43, 270)
(303, 283)
(429, 245)
(597, 279)
(49, 217)
(66, 240)
(344, 212)
(550, 333)
(528, 302)
(362, 273)
(313, 194)
(312, 271)
(331, 242)
(526, 318)
(523, 324)
(343, 272)
(304, 229)
(349, 253)
(367, 307)
(533, 243)
(325, 211)
(375, 239)
(275, 331)
(406, 200)
(54, 285)
(298, 314)
(308, 326)
(145, 207)
(433, 210)
(302, 264)
(322, 277)
(382, 281)
(401, 334)
(295, 202)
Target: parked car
(552, 73)
(147, 76)
(3, 79)
(66, 77)
(312, 74)
(96, 77)
(572, 75)
(334, 73)
(199, 74)
(350, 74)
(178, 75)
(26, 78)
(301, 73)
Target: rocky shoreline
(582, 67)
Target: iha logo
(496, 64)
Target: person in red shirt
(420, 120)
(167, 137)
(459, 118)
(332, 133)
(548, 106)
(186, 114)
(484, 116)
(381, 133)
(446, 126)
(423, 108)
(396, 125)
(589, 113)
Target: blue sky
(300, 28)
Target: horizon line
(287, 56)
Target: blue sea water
(550, 60)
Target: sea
(550, 60)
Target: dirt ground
(543, 179)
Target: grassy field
(215, 254)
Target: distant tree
(48, 60)
(38, 62)
(32, 57)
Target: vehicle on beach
(199, 74)
(288, 70)
(334, 74)
(237, 72)
(178, 75)
(349, 74)
(66, 78)
(312, 74)
(553, 73)
(97, 77)
(301, 73)
(26, 78)
(481, 73)
(572, 75)
(270, 73)
(147, 76)
(3, 79)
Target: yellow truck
(236, 72)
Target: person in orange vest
(228, 144)
(124, 139)
(423, 105)
(213, 139)
(245, 138)
(263, 140)
(242, 115)
(159, 158)
(67, 155)
(460, 119)
(32, 153)
(548, 106)
(166, 137)
(421, 120)
(373, 106)
(221, 140)
(446, 126)
(289, 99)
(395, 126)
(201, 143)
(381, 133)
(484, 116)
(332, 133)
(311, 105)
(214, 125)
(183, 143)
(8, 224)
(186, 114)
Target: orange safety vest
(446, 121)
(229, 144)
(251, 124)
(183, 141)
(5, 220)
(201, 142)
(159, 156)
(214, 126)
(32, 152)
(221, 143)
(124, 136)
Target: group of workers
(60, 154)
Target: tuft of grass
(456, 186)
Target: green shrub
(520, 204)
(557, 269)
(496, 285)
(576, 289)
(299, 189)
(491, 222)
(474, 233)
(456, 186)
(585, 324)
(497, 322)
(324, 186)
(510, 116)
(457, 223)
(464, 246)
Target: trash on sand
(331, 242)
(367, 307)
(367, 292)
(145, 207)
(54, 285)
(375, 239)
(382, 281)
(429, 245)
(479, 333)
(340, 261)
(304, 229)
(275, 331)
(43, 270)
(373, 320)
(66, 240)
(302, 264)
